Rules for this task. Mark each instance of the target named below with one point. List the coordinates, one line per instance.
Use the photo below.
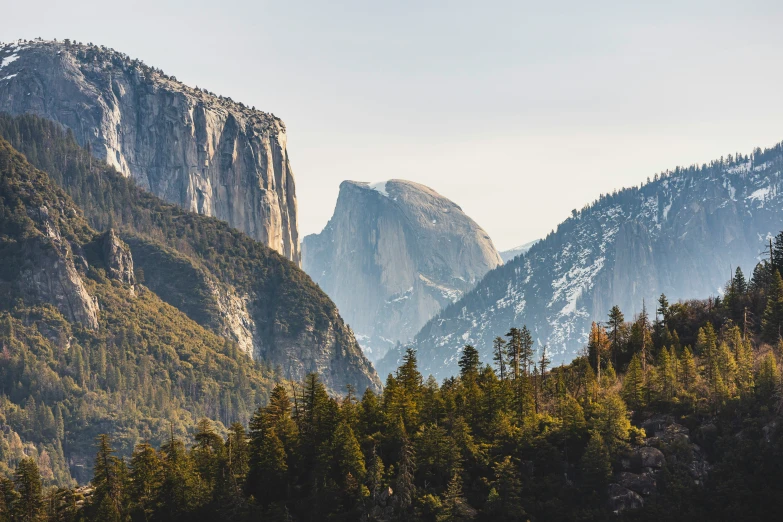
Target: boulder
(648, 457)
(623, 499)
(644, 483)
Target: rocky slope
(681, 234)
(88, 349)
(216, 275)
(205, 153)
(392, 255)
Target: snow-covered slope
(680, 234)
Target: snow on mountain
(680, 234)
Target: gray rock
(118, 259)
(623, 499)
(205, 153)
(651, 457)
(394, 254)
(644, 483)
(50, 276)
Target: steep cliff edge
(216, 275)
(205, 153)
(680, 234)
(392, 255)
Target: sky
(518, 111)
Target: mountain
(85, 349)
(681, 234)
(219, 277)
(392, 255)
(508, 255)
(203, 152)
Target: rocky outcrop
(117, 258)
(623, 499)
(202, 152)
(681, 234)
(49, 276)
(394, 254)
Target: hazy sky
(518, 111)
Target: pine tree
(499, 356)
(404, 487)
(454, 507)
(772, 320)
(108, 480)
(768, 378)
(469, 362)
(348, 453)
(633, 384)
(506, 503)
(514, 350)
(596, 465)
(8, 498)
(27, 481)
(146, 478)
(525, 349)
(687, 369)
(616, 323)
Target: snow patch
(8, 60)
(380, 187)
(759, 195)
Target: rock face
(50, 276)
(118, 258)
(394, 254)
(217, 276)
(204, 153)
(681, 234)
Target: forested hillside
(676, 418)
(84, 349)
(682, 233)
(218, 276)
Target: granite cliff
(219, 277)
(205, 153)
(392, 255)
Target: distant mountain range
(681, 234)
(392, 255)
(508, 255)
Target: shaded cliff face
(392, 255)
(206, 154)
(680, 235)
(219, 277)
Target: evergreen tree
(499, 356)
(146, 478)
(469, 362)
(28, 506)
(772, 320)
(454, 507)
(687, 370)
(404, 486)
(108, 480)
(633, 384)
(596, 465)
(768, 378)
(616, 323)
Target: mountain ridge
(625, 248)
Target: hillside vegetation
(673, 418)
